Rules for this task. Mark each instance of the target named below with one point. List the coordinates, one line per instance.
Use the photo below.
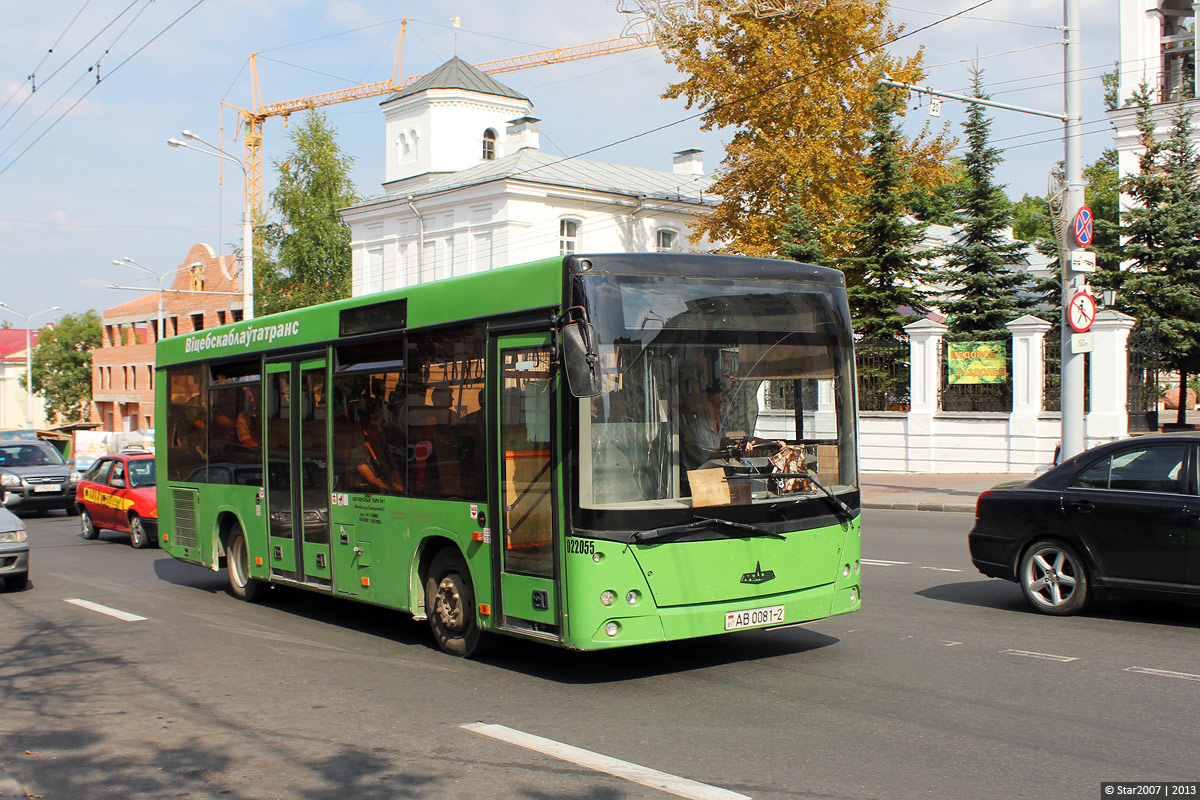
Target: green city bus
(590, 451)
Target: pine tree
(799, 239)
(305, 257)
(1162, 239)
(981, 292)
(881, 266)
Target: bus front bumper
(710, 619)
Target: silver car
(14, 550)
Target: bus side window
(444, 413)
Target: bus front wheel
(450, 604)
(241, 585)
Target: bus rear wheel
(237, 557)
(450, 604)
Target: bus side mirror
(580, 359)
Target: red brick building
(205, 293)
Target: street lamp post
(29, 354)
(247, 231)
(129, 262)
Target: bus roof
(505, 290)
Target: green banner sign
(976, 362)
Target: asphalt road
(944, 685)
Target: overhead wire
(307, 69)
(32, 78)
(75, 55)
(393, 22)
(92, 88)
(95, 67)
(979, 19)
(106, 227)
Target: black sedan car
(1121, 518)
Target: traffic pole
(1072, 363)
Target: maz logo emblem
(758, 576)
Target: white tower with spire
(451, 119)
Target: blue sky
(101, 184)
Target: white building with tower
(1158, 48)
(468, 188)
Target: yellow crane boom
(251, 121)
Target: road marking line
(112, 612)
(1046, 656)
(942, 569)
(951, 644)
(672, 784)
(878, 562)
(1164, 673)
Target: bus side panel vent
(184, 502)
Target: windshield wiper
(701, 522)
(841, 508)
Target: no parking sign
(1082, 227)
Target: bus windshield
(732, 378)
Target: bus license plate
(48, 487)
(753, 618)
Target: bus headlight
(612, 629)
(607, 597)
(632, 597)
(845, 570)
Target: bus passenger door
(529, 595)
(298, 471)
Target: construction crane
(251, 120)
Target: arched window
(568, 236)
(666, 240)
(489, 145)
(402, 149)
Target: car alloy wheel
(1053, 578)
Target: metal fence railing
(1143, 391)
(1052, 376)
(884, 374)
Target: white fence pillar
(1108, 415)
(925, 379)
(1028, 380)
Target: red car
(117, 494)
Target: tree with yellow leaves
(796, 88)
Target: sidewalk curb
(955, 507)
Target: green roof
(458, 74)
